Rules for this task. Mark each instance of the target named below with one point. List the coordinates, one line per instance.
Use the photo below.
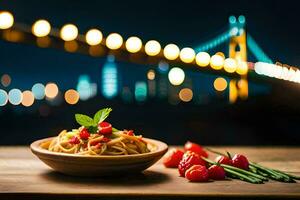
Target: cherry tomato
(130, 133)
(105, 128)
(196, 148)
(84, 134)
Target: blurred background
(42, 88)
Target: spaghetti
(97, 137)
(120, 144)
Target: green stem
(290, 175)
(274, 174)
(266, 170)
(245, 172)
(243, 176)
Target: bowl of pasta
(98, 149)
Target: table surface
(22, 175)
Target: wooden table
(22, 175)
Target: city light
(69, 32)
(93, 37)
(176, 76)
(6, 20)
(163, 67)
(202, 59)
(114, 41)
(38, 91)
(84, 87)
(216, 62)
(3, 97)
(220, 54)
(51, 90)
(133, 44)
(71, 46)
(242, 68)
(171, 51)
(234, 31)
(5, 80)
(140, 91)
(186, 94)
(187, 55)
(71, 96)
(28, 98)
(230, 65)
(220, 84)
(110, 78)
(15, 96)
(242, 19)
(151, 74)
(277, 71)
(41, 28)
(232, 19)
(152, 48)
(43, 42)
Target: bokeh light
(242, 68)
(3, 97)
(216, 62)
(41, 28)
(176, 76)
(114, 41)
(15, 96)
(5, 80)
(163, 66)
(6, 20)
(51, 90)
(151, 74)
(221, 54)
(232, 19)
(133, 44)
(93, 37)
(69, 32)
(242, 19)
(171, 51)
(202, 59)
(187, 55)
(230, 65)
(186, 94)
(38, 91)
(152, 48)
(220, 84)
(140, 91)
(28, 98)
(43, 42)
(71, 46)
(71, 96)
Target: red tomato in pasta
(105, 128)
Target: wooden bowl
(85, 165)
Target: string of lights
(98, 45)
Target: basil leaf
(101, 115)
(84, 120)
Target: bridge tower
(238, 51)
